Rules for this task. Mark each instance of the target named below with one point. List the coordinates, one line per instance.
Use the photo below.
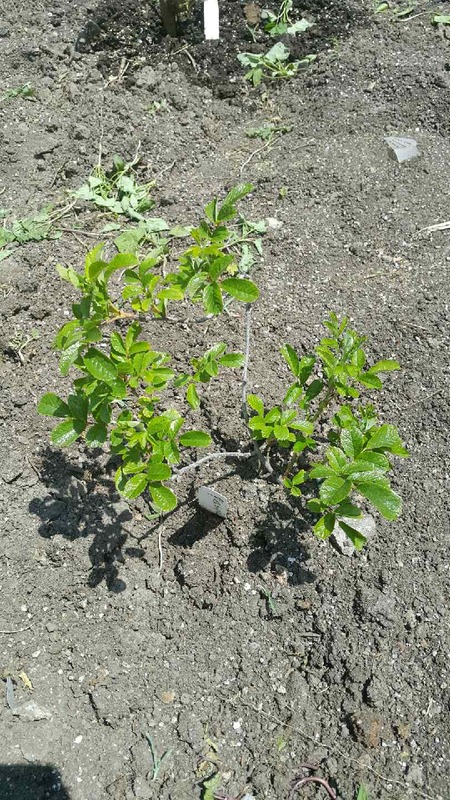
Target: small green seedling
(117, 190)
(441, 19)
(210, 787)
(31, 229)
(362, 793)
(158, 106)
(157, 761)
(280, 23)
(271, 605)
(357, 457)
(273, 64)
(26, 92)
(267, 133)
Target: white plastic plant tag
(211, 18)
(213, 501)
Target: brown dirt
(350, 671)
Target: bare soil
(349, 669)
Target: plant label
(213, 501)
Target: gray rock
(402, 148)
(365, 525)
(147, 78)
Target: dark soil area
(348, 668)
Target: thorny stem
(121, 315)
(329, 394)
(324, 403)
(263, 459)
(212, 456)
(248, 314)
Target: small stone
(415, 774)
(274, 224)
(366, 728)
(402, 148)
(147, 78)
(11, 468)
(51, 627)
(81, 131)
(4, 32)
(365, 525)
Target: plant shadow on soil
(123, 31)
(31, 782)
(85, 504)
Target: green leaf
(192, 396)
(66, 432)
(441, 19)
(121, 261)
(93, 255)
(293, 395)
(385, 500)
(232, 360)
(298, 478)
(227, 209)
(50, 405)
(68, 356)
(370, 381)
(351, 442)
(387, 438)
(241, 289)
(314, 388)
(315, 505)
(356, 537)
(281, 432)
(384, 366)
(291, 358)
(347, 509)
(96, 435)
(321, 471)
(100, 366)
(378, 460)
(325, 526)
(212, 298)
(134, 486)
(334, 490)
(256, 404)
(195, 439)
(163, 499)
(158, 471)
(362, 791)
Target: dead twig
(19, 630)
(258, 150)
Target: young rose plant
(325, 440)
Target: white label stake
(211, 17)
(213, 501)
